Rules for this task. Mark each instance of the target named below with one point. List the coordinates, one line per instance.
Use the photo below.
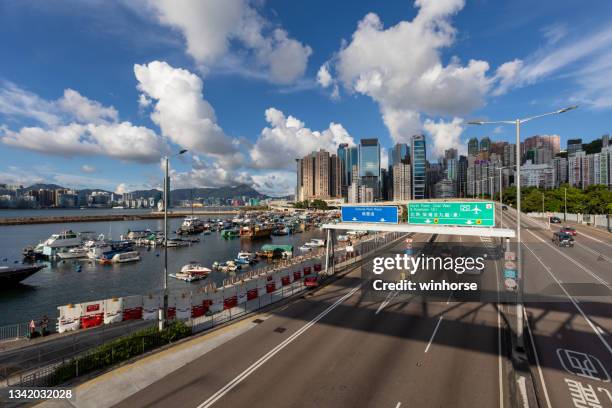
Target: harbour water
(62, 283)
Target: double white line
(229, 386)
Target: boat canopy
(271, 247)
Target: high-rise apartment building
(401, 182)
(319, 176)
(559, 165)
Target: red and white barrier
(113, 310)
(230, 296)
(183, 306)
(92, 314)
(69, 318)
(132, 307)
(217, 301)
(151, 304)
(241, 292)
(198, 308)
(286, 278)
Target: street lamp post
(163, 313)
(565, 213)
(517, 123)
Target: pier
(109, 217)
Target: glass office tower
(369, 158)
(418, 167)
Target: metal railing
(22, 330)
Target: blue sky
(93, 93)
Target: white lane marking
(537, 359)
(434, 333)
(523, 391)
(571, 298)
(240, 377)
(399, 404)
(578, 264)
(499, 340)
(387, 300)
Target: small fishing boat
(192, 272)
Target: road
(569, 303)
(343, 347)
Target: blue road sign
(387, 214)
(509, 274)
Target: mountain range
(241, 190)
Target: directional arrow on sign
(476, 210)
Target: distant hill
(241, 190)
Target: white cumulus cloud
(212, 27)
(401, 68)
(445, 135)
(182, 113)
(286, 138)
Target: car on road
(563, 240)
(569, 230)
(555, 220)
(504, 207)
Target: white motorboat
(73, 253)
(191, 272)
(123, 257)
(96, 251)
(315, 242)
(305, 248)
(64, 239)
(246, 256)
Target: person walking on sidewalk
(44, 323)
(32, 329)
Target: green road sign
(471, 214)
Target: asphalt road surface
(343, 347)
(569, 303)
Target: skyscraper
(419, 179)
(369, 165)
(574, 145)
(344, 176)
(485, 144)
(473, 147)
(399, 154)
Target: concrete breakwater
(108, 217)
